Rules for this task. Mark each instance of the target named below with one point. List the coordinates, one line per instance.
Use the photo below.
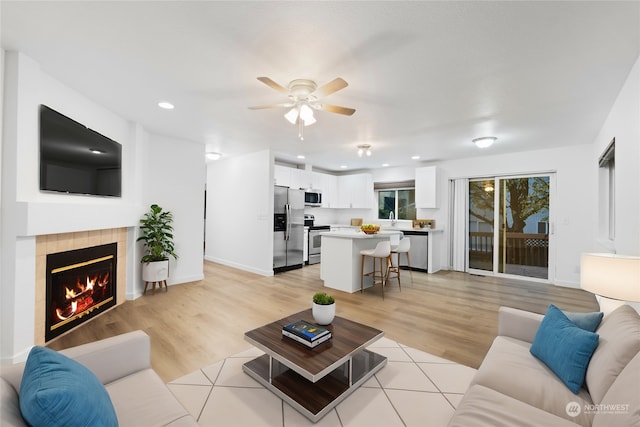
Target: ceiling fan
(304, 97)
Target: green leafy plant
(323, 299)
(157, 235)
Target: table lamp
(614, 278)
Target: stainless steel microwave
(312, 198)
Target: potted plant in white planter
(324, 308)
(157, 235)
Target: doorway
(508, 226)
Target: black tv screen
(75, 159)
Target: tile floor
(414, 389)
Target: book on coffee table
(310, 344)
(306, 331)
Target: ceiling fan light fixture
(364, 149)
(292, 115)
(309, 121)
(306, 115)
(303, 95)
(484, 142)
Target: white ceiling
(424, 77)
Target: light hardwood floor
(449, 314)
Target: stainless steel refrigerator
(288, 228)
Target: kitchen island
(341, 262)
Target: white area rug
(414, 389)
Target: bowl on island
(370, 228)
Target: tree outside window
(402, 202)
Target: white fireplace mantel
(38, 218)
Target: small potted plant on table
(324, 308)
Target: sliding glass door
(509, 226)
(481, 221)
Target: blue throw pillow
(565, 348)
(58, 391)
(587, 321)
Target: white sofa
(123, 364)
(513, 388)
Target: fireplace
(80, 284)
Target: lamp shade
(292, 115)
(306, 114)
(612, 276)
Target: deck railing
(522, 248)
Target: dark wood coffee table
(314, 380)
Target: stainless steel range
(314, 242)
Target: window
(607, 163)
(396, 197)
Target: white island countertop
(360, 235)
(341, 262)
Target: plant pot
(323, 314)
(155, 271)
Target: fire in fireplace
(80, 285)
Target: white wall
(240, 212)
(25, 211)
(623, 124)
(574, 217)
(173, 176)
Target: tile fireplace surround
(52, 243)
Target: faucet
(392, 218)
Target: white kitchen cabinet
(317, 180)
(355, 191)
(426, 185)
(300, 178)
(329, 187)
(291, 177)
(282, 175)
(345, 191)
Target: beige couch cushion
(142, 399)
(621, 405)
(482, 406)
(10, 406)
(619, 343)
(510, 369)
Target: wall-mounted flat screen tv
(75, 159)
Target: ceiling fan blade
(331, 87)
(337, 109)
(273, 85)
(262, 107)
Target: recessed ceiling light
(415, 157)
(384, 165)
(484, 141)
(343, 166)
(300, 156)
(166, 105)
(213, 155)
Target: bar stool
(401, 248)
(381, 252)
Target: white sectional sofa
(123, 364)
(514, 388)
